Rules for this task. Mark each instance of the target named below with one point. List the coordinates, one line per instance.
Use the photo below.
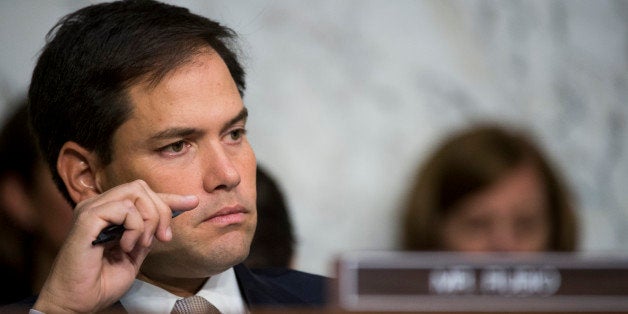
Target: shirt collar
(221, 290)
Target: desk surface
(340, 311)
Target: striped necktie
(194, 305)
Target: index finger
(178, 204)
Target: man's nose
(220, 169)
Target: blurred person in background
(34, 216)
(488, 188)
(273, 242)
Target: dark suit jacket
(281, 287)
(262, 288)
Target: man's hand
(89, 278)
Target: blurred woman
(488, 188)
(34, 216)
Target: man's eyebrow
(242, 115)
(184, 132)
(174, 132)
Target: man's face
(186, 136)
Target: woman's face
(510, 215)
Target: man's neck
(183, 287)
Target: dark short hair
(79, 86)
(473, 159)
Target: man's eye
(176, 147)
(237, 134)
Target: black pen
(114, 232)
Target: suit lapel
(256, 291)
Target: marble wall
(347, 97)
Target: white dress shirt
(221, 290)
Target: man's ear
(78, 167)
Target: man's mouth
(228, 216)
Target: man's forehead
(218, 79)
(198, 97)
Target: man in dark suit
(138, 109)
